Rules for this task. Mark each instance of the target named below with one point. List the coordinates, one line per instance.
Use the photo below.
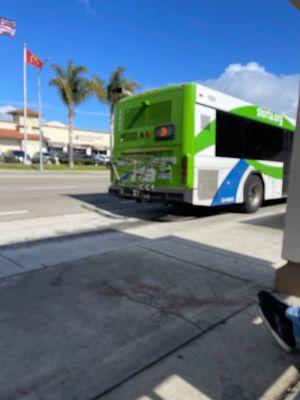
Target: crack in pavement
(162, 309)
(166, 355)
(12, 261)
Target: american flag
(7, 27)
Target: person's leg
(293, 314)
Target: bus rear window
(154, 114)
(159, 113)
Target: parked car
(81, 158)
(48, 157)
(101, 159)
(14, 156)
(63, 158)
(78, 158)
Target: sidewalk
(162, 318)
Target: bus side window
(240, 137)
(255, 139)
(229, 135)
(275, 144)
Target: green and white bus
(190, 143)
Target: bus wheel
(253, 194)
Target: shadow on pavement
(161, 317)
(276, 221)
(105, 203)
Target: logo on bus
(270, 116)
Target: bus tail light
(184, 171)
(112, 175)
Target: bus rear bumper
(154, 195)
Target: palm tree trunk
(71, 157)
(111, 130)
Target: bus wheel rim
(255, 195)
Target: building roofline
(13, 134)
(75, 129)
(30, 113)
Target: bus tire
(253, 194)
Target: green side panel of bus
(188, 145)
(140, 157)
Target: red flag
(33, 60)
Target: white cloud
(87, 5)
(6, 108)
(253, 83)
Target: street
(28, 195)
(108, 299)
(35, 206)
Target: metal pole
(111, 131)
(40, 119)
(25, 104)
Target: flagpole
(25, 105)
(40, 118)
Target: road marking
(14, 212)
(49, 187)
(128, 201)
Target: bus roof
(217, 99)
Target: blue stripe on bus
(227, 192)
(126, 176)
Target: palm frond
(99, 88)
(83, 90)
(63, 90)
(72, 86)
(59, 70)
(118, 81)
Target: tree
(73, 88)
(116, 89)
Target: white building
(56, 136)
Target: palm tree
(116, 89)
(73, 88)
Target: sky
(248, 49)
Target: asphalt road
(24, 196)
(28, 196)
(35, 195)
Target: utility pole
(41, 139)
(25, 103)
(40, 119)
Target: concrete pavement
(156, 311)
(48, 242)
